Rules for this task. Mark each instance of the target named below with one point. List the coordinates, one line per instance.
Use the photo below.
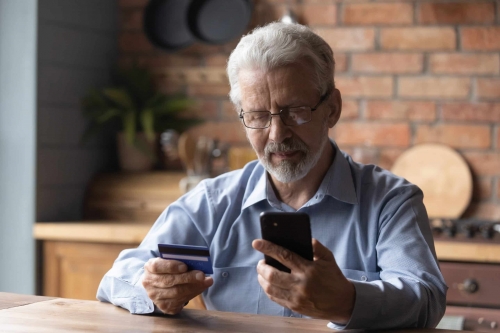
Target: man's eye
(257, 116)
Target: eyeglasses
(289, 116)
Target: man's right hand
(170, 286)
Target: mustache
(291, 144)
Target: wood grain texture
(95, 232)
(67, 315)
(138, 197)
(74, 270)
(9, 300)
(475, 252)
(442, 174)
(61, 315)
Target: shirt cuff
(365, 308)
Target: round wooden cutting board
(442, 174)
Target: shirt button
(225, 274)
(364, 278)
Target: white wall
(18, 25)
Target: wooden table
(22, 313)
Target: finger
(276, 277)
(182, 292)
(170, 307)
(152, 280)
(165, 266)
(275, 294)
(288, 258)
(321, 252)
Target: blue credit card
(195, 257)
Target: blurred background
(410, 72)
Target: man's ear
(335, 102)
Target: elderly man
(374, 261)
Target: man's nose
(278, 131)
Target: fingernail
(200, 276)
(182, 268)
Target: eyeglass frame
(321, 100)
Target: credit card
(195, 257)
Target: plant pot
(132, 158)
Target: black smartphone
(289, 230)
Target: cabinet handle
(469, 286)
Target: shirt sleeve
(122, 284)
(411, 292)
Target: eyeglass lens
(290, 117)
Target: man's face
(288, 153)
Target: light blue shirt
(374, 222)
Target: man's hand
(316, 288)
(170, 286)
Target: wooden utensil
(442, 174)
(187, 150)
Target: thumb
(321, 252)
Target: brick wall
(409, 71)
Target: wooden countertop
(42, 314)
(133, 233)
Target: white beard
(287, 171)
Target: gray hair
(279, 44)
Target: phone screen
(289, 230)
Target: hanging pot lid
(166, 25)
(219, 21)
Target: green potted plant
(139, 111)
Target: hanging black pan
(165, 24)
(219, 21)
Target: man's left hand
(316, 288)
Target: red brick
(388, 156)
(388, 62)
(434, 87)
(372, 134)
(231, 132)
(485, 211)
(219, 60)
(206, 109)
(317, 14)
(456, 136)
(365, 86)
(132, 3)
(460, 63)
(488, 88)
(348, 39)
(131, 20)
(418, 38)
(377, 13)
(498, 139)
(487, 112)
(208, 90)
(364, 155)
(134, 42)
(480, 38)
(170, 88)
(162, 60)
(401, 110)
(340, 62)
(350, 109)
(482, 189)
(484, 164)
(228, 110)
(456, 13)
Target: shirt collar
(338, 182)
